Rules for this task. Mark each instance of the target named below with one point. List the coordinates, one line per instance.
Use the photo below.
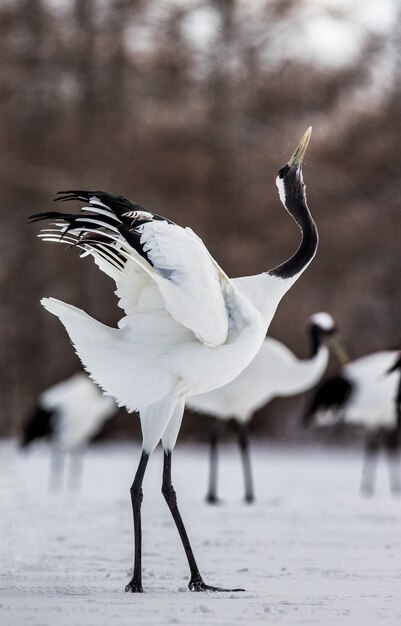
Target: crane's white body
(372, 400)
(80, 410)
(275, 371)
(188, 328)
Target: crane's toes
(197, 584)
(134, 587)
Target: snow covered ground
(310, 551)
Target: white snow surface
(310, 551)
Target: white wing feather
(189, 280)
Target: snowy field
(311, 551)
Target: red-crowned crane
(69, 414)
(274, 372)
(187, 329)
(367, 393)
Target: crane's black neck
(315, 337)
(295, 202)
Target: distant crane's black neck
(315, 338)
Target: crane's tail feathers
(111, 361)
(92, 340)
(81, 327)
(56, 307)
(155, 419)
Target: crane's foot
(212, 499)
(197, 584)
(249, 498)
(134, 587)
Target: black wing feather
(39, 425)
(99, 224)
(332, 393)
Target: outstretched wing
(133, 245)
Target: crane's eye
(283, 172)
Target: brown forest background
(131, 97)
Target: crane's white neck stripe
(281, 188)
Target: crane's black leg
(211, 496)
(135, 584)
(369, 463)
(196, 582)
(243, 441)
(393, 457)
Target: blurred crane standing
(274, 372)
(69, 414)
(366, 392)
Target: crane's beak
(296, 159)
(339, 350)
